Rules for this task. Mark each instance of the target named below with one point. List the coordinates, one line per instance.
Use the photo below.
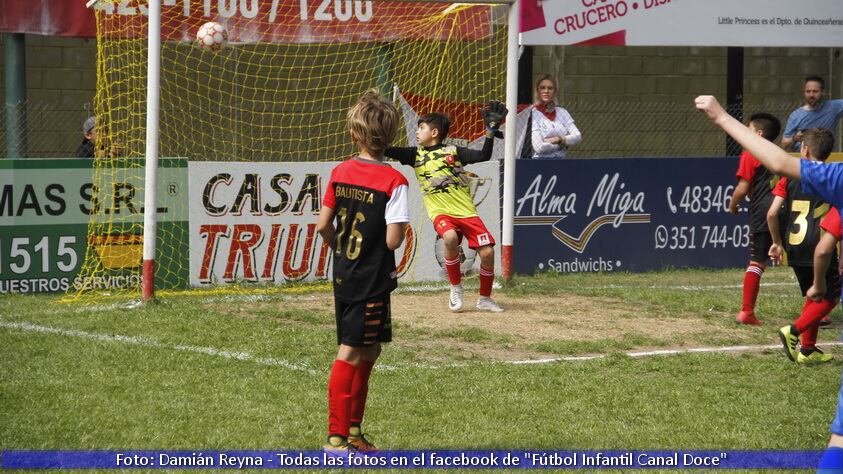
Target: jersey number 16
(353, 237)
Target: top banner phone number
(700, 199)
(326, 10)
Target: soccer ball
(212, 36)
(467, 258)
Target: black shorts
(365, 322)
(759, 246)
(805, 277)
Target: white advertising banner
(256, 222)
(814, 23)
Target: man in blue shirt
(820, 179)
(816, 113)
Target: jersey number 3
(802, 208)
(353, 237)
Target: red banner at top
(46, 17)
(252, 21)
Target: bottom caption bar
(23, 459)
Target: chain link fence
(640, 129)
(657, 129)
(42, 130)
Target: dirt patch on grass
(536, 319)
(425, 326)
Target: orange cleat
(361, 443)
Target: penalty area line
(661, 352)
(677, 287)
(146, 342)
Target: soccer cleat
(825, 321)
(789, 341)
(484, 303)
(339, 449)
(815, 357)
(455, 299)
(361, 443)
(748, 318)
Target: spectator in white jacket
(550, 129)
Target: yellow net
(277, 92)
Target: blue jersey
(824, 180)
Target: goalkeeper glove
(493, 114)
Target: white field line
(131, 304)
(302, 367)
(439, 286)
(241, 298)
(443, 286)
(678, 287)
(663, 352)
(142, 341)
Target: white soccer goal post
(244, 92)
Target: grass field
(233, 372)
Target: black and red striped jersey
(805, 212)
(366, 196)
(761, 183)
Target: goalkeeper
(439, 170)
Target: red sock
(360, 389)
(812, 313)
(453, 268)
(809, 337)
(805, 305)
(487, 277)
(751, 281)
(339, 398)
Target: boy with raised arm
(820, 179)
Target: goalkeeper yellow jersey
(442, 179)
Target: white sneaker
(484, 303)
(455, 300)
